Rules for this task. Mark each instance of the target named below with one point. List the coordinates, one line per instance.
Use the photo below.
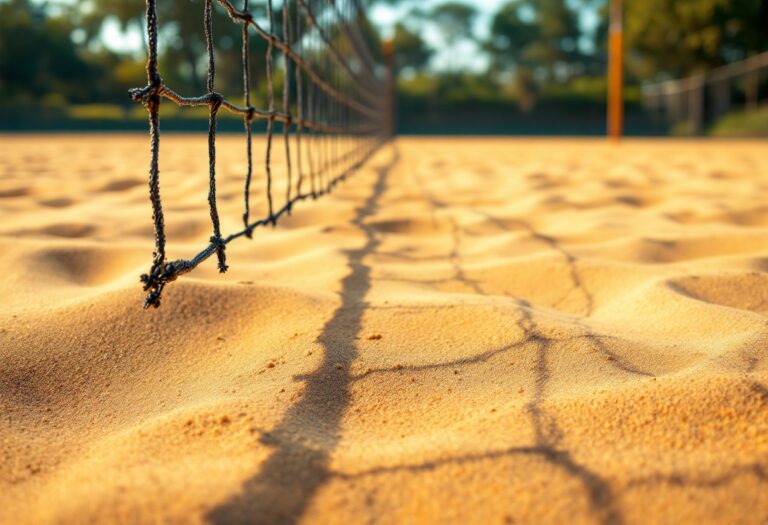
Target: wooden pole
(388, 49)
(696, 104)
(616, 72)
(753, 89)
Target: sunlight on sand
(467, 331)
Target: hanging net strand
(334, 100)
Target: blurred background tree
(38, 58)
(454, 21)
(459, 61)
(412, 54)
(678, 38)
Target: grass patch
(742, 124)
(96, 112)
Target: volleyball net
(334, 110)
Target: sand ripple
(468, 331)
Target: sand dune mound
(467, 331)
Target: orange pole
(616, 72)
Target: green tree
(454, 20)
(677, 38)
(511, 34)
(410, 49)
(539, 41)
(540, 34)
(38, 57)
(184, 63)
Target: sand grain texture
(467, 331)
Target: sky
(385, 16)
(465, 55)
(382, 16)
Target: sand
(467, 331)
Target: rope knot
(218, 244)
(154, 282)
(251, 114)
(149, 93)
(215, 100)
(156, 84)
(248, 229)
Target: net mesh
(336, 112)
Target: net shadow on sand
(299, 467)
(292, 475)
(602, 498)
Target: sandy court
(467, 331)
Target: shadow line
(299, 465)
(548, 435)
(678, 479)
(570, 259)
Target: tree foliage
(58, 55)
(410, 49)
(37, 55)
(539, 34)
(181, 24)
(676, 38)
(454, 20)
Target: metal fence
(699, 100)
